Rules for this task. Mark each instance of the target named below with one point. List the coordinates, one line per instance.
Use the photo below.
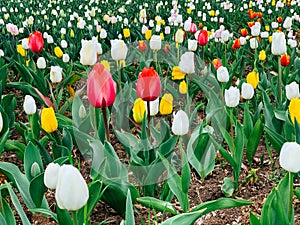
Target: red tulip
(236, 44)
(142, 45)
(244, 32)
(193, 28)
(279, 19)
(259, 14)
(203, 38)
(148, 85)
(285, 60)
(217, 63)
(251, 24)
(101, 88)
(36, 41)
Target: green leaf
(254, 220)
(45, 212)
(248, 123)
(154, 203)
(228, 187)
(17, 205)
(37, 189)
(7, 212)
(184, 218)
(129, 215)
(2, 220)
(31, 156)
(253, 140)
(63, 216)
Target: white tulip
(222, 74)
(247, 91)
(64, 44)
(41, 63)
(292, 90)
(289, 157)
(29, 105)
(50, 39)
(292, 43)
(255, 30)
(88, 52)
(287, 24)
(118, 50)
(72, 192)
(180, 124)
(253, 43)
(179, 36)
(278, 46)
(55, 74)
(103, 34)
(232, 96)
(51, 175)
(155, 42)
(65, 58)
(187, 64)
(25, 43)
(192, 45)
(154, 107)
(1, 122)
(225, 35)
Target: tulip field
(150, 112)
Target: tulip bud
(118, 50)
(72, 192)
(180, 124)
(29, 105)
(56, 74)
(166, 104)
(1, 122)
(58, 52)
(232, 96)
(82, 112)
(187, 64)
(35, 169)
(285, 60)
(222, 74)
(262, 55)
(48, 120)
(155, 42)
(278, 46)
(292, 90)
(41, 63)
(138, 110)
(182, 87)
(51, 175)
(289, 157)
(247, 91)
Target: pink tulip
(101, 88)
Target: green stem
(203, 54)
(119, 76)
(291, 194)
(105, 123)
(187, 95)
(155, 59)
(231, 130)
(279, 82)
(74, 217)
(178, 52)
(149, 118)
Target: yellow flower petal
(166, 104)
(48, 120)
(138, 110)
(294, 109)
(253, 79)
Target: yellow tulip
(189, 11)
(270, 39)
(253, 79)
(166, 104)
(48, 120)
(294, 110)
(126, 32)
(58, 52)
(177, 74)
(21, 50)
(27, 62)
(182, 87)
(148, 34)
(72, 34)
(138, 110)
(262, 55)
(162, 36)
(267, 28)
(106, 65)
(212, 12)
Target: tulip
(236, 44)
(253, 43)
(56, 74)
(232, 97)
(187, 25)
(166, 104)
(203, 38)
(294, 110)
(244, 32)
(142, 45)
(118, 50)
(225, 35)
(29, 105)
(285, 60)
(41, 63)
(186, 63)
(155, 42)
(25, 43)
(177, 74)
(287, 24)
(148, 34)
(180, 124)
(101, 88)
(222, 74)
(58, 52)
(279, 19)
(278, 46)
(88, 52)
(72, 192)
(262, 55)
(21, 50)
(292, 90)
(255, 30)
(153, 106)
(253, 79)
(126, 32)
(51, 175)
(217, 63)
(1, 122)
(192, 45)
(148, 85)
(65, 58)
(64, 44)
(193, 28)
(48, 120)
(179, 36)
(247, 91)
(139, 110)
(182, 87)
(36, 41)
(289, 157)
